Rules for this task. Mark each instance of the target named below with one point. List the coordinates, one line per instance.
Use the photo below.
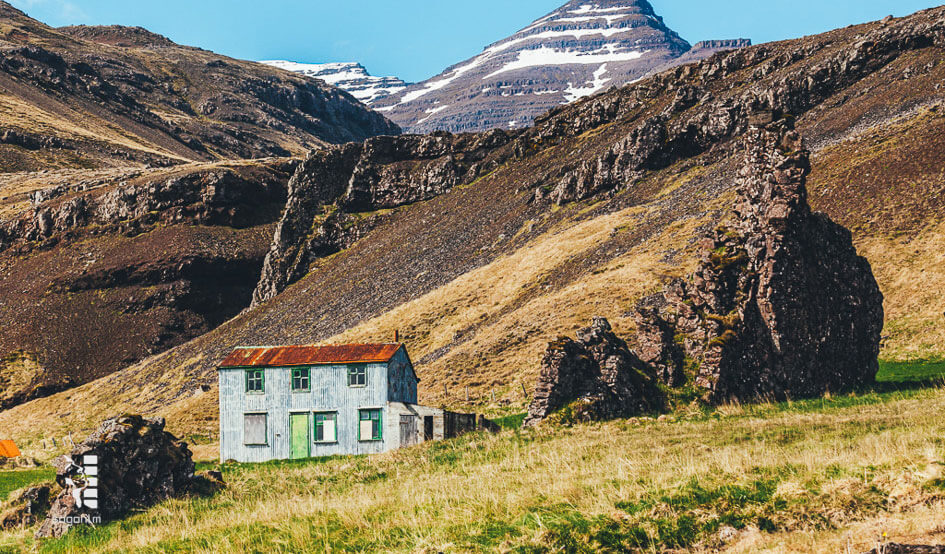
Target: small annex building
(283, 402)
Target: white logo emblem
(86, 495)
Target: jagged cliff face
(582, 215)
(579, 49)
(91, 97)
(333, 186)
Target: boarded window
(326, 427)
(300, 379)
(370, 425)
(255, 380)
(254, 429)
(357, 376)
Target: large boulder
(781, 304)
(596, 375)
(129, 463)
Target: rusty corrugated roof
(8, 449)
(275, 356)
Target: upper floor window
(255, 381)
(301, 379)
(357, 376)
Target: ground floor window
(255, 430)
(326, 427)
(370, 425)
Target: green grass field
(821, 475)
(17, 479)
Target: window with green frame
(357, 376)
(255, 381)
(370, 428)
(301, 379)
(326, 427)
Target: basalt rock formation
(137, 464)
(99, 271)
(596, 376)
(781, 305)
(218, 196)
(334, 189)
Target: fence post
(525, 392)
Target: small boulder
(895, 548)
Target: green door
(298, 429)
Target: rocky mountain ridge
(695, 120)
(94, 97)
(579, 49)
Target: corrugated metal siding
(403, 379)
(329, 393)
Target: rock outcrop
(334, 191)
(695, 116)
(596, 376)
(781, 305)
(231, 197)
(137, 464)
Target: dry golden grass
(511, 314)
(911, 274)
(845, 471)
(71, 124)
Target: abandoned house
(306, 401)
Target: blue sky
(416, 39)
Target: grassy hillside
(829, 475)
(480, 279)
(99, 97)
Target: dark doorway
(428, 428)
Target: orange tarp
(8, 449)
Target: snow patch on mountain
(348, 76)
(545, 56)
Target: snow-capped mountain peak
(350, 76)
(577, 50)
